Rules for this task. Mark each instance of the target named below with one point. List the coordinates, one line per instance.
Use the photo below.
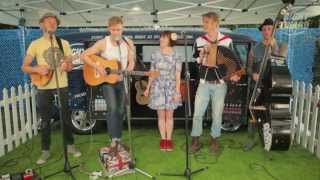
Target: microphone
(51, 33)
(118, 39)
(182, 33)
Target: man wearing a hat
(46, 57)
(266, 29)
(258, 52)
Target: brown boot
(214, 146)
(195, 144)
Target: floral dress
(163, 88)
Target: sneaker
(163, 145)
(43, 158)
(169, 145)
(73, 150)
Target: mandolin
(42, 80)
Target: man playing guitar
(41, 50)
(122, 49)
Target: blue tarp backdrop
(13, 43)
(301, 49)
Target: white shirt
(202, 41)
(112, 52)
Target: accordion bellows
(220, 55)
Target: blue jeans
(217, 93)
(114, 96)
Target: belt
(203, 81)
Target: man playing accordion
(208, 50)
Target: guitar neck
(131, 73)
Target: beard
(115, 37)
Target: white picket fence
(18, 117)
(306, 126)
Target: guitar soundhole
(108, 71)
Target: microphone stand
(126, 83)
(187, 171)
(67, 168)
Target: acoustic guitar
(42, 80)
(141, 86)
(112, 69)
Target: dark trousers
(114, 96)
(45, 106)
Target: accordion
(225, 59)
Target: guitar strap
(125, 40)
(61, 48)
(219, 40)
(60, 44)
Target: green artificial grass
(232, 164)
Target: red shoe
(169, 145)
(163, 144)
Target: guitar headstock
(153, 74)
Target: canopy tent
(84, 13)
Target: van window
(241, 50)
